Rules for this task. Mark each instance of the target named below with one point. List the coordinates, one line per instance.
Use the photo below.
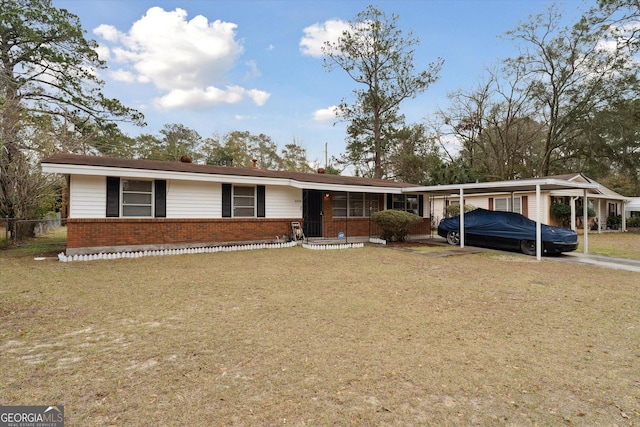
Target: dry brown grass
(369, 336)
(616, 244)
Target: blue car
(507, 230)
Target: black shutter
(161, 198)
(389, 201)
(226, 200)
(260, 200)
(421, 205)
(113, 196)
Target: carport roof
(537, 185)
(504, 186)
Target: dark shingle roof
(158, 165)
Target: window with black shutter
(260, 196)
(226, 200)
(113, 197)
(160, 198)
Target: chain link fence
(22, 231)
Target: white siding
(88, 196)
(283, 202)
(193, 199)
(185, 199)
(477, 201)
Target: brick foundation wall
(122, 233)
(93, 235)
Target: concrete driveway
(598, 261)
(572, 257)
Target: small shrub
(560, 210)
(562, 213)
(633, 221)
(395, 224)
(591, 213)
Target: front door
(312, 213)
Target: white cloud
(240, 117)
(253, 70)
(123, 76)
(107, 32)
(210, 96)
(187, 59)
(326, 114)
(317, 34)
(258, 96)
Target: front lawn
(370, 336)
(614, 244)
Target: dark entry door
(312, 213)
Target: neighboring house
(126, 204)
(633, 207)
(605, 202)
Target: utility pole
(326, 155)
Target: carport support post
(461, 217)
(585, 220)
(538, 227)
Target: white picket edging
(162, 252)
(377, 241)
(333, 247)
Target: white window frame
(517, 202)
(253, 197)
(124, 192)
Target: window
(339, 204)
(406, 202)
(503, 204)
(358, 205)
(244, 201)
(137, 198)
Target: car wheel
(453, 238)
(528, 247)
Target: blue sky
(218, 66)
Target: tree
(414, 157)
(571, 74)
(621, 18)
(294, 158)
(613, 154)
(239, 149)
(47, 69)
(174, 142)
(229, 150)
(375, 55)
(495, 125)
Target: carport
(511, 187)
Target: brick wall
(353, 227)
(164, 232)
(87, 235)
